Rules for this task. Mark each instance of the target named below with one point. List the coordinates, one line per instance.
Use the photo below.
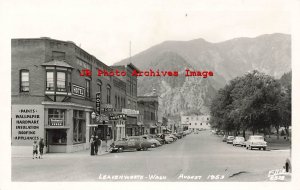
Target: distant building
(195, 122)
(148, 108)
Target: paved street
(197, 157)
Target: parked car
(229, 139)
(153, 141)
(256, 141)
(134, 142)
(172, 136)
(238, 141)
(160, 140)
(168, 139)
(178, 135)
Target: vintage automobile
(256, 141)
(153, 141)
(238, 141)
(172, 136)
(168, 139)
(133, 142)
(229, 139)
(178, 135)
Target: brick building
(51, 100)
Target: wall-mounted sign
(101, 118)
(108, 109)
(117, 116)
(130, 111)
(98, 102)
(27, 124)
(56, 122)
(78, 90)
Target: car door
(131, 143)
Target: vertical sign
(27, 124)
(98, 102)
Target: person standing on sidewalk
(96, 145)
(92, 142)
(41, 147)
(35, 149)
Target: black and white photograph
(150, 91)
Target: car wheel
(250, 147)
(264, 148)
(247, 147)
(138, 149)
(120, 149)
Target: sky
(106, 28)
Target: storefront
(66, 127)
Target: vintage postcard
(151, 91)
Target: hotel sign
(117, 117)
(98, 102)
(78, 90)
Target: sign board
(117, 117)
(108, 109)
(130, 111)
(78, 90)
(98, 102)
(27, 124)
(56, 122)
(101, 118)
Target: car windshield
(240, 138)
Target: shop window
(56, 117)
(78, 127)
(61, 81)
(88, 88)
(57, 136)
(24, 78)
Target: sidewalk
(83, 153)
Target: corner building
(51, 100)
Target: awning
(57, 63)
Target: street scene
(153, 96)
(196, 157)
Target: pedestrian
(35, 149)
(92, 141)
(100, 146)
(96, 144)
(41, 147)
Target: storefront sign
(98, 102)
(101, 118)
(130, 111)
(108, 109)
(78, 90)
(56, 122)
(117, 116)
(27, 124)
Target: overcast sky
(105, 28)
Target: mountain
(269, 53)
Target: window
(61, 81)
(99, 84)
(24, 85)
(108, 94)
(88, 88)
(116, 103)
(78, 126)
(50, 81)
(56, 117)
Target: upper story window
(108, 94)
(61, 81)
(24, 81)
(88, 88)
(50, 81)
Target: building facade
(51, 100)
(195, 122)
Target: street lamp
(93, 115)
